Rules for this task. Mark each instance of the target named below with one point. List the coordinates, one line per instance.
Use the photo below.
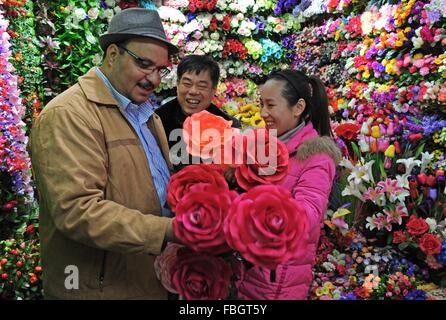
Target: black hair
(312, 90)
(199, 63)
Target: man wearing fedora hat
(100, 158)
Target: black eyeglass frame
(145, 64)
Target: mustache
(147, 85)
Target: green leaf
(382, 170)
(403, 246)
(419, 150)
(356, 150)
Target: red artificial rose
(399, 237)
(348, 131)
(197, 276)
(265, 159)
(267, 226)
(200, 216)
(416, 226)
(181, 181)
(430, 244)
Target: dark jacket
(173, 118)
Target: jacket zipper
(102, 272)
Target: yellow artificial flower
(366, 74)
(418, 56)
(376, 133)
(319, 292)
(390, 151)
(427, 287)
(330, 286)
(340, 212)
(337, 35)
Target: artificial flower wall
(19, 258)
(384, 65)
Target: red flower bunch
(257, 167)
(198, 5)
(348, 131)
(225, 26)
(196, 276)
(234, 46)
(267, 226)
(353, 27)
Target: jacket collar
(301, 136)
(95, 89)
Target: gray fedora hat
(134, 23)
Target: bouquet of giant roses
(264, 225)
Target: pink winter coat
(312, 169)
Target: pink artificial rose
(200, 216)
(267, 226)
(261, 165)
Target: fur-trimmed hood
(307, 143)
(319, 145)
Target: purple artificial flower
(433, 16)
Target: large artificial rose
(430, 244)
(206, 134)
(348, 131)
(164, 263)
(197, 276)
(267, 226)
(200, 216)
(416, 226)
(180, 183)
(265, 159)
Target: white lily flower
(362, 172)
(432, 224)
(409, 163)
(426, 158)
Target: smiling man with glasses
(197, 80)
(100, 158)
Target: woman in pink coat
(297, 107)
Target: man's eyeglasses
(146, 65)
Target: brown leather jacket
(99, 210)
